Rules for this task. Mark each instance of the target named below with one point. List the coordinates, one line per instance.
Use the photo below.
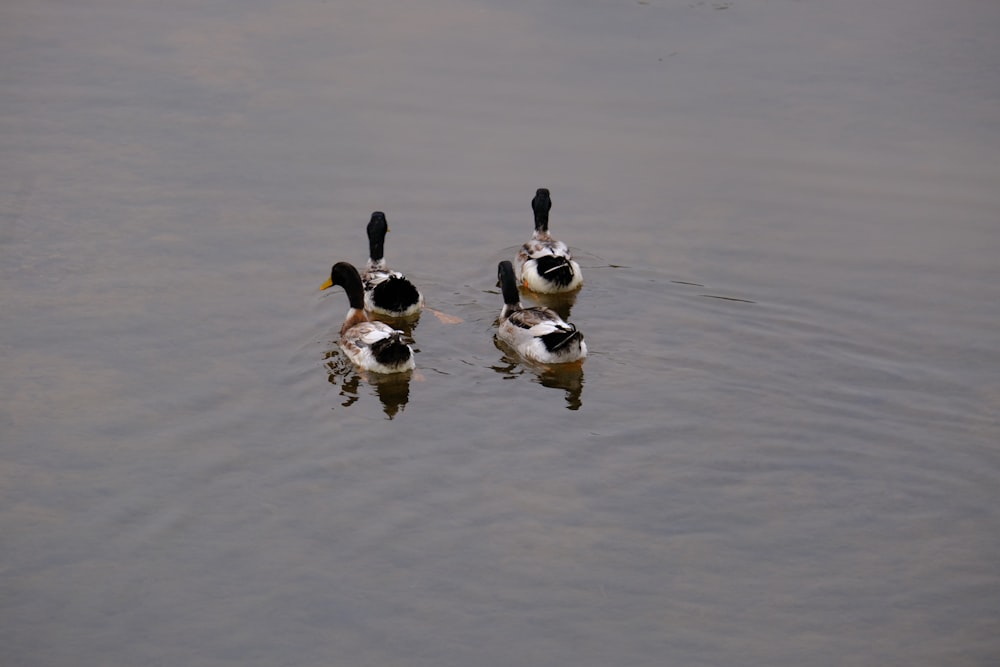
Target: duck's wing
(543, 334)
(539, 321)
(366, 334)
(375, 277)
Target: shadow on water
(568, 377)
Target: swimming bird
(386, 292)
(537, 334)
(546, 264)
(371, 345)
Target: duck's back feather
(390, 293)
(547, 265)
(376, 346)
(541, 335)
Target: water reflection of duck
(538, 333)
(371, 345)
(546, 264)
(568, 377)
(387, 292)
(393, 390)
(562, 303)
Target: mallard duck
(546, 264)
(537, 334)
(386, 292)
(371, 345)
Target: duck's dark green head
(377, 229)
(541, 205)
(345, 275)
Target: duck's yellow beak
(328, 284)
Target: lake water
(784, 448)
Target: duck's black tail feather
(396, 294)
(555, 269)
(391, 351)
(559, 340)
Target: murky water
(782, 450)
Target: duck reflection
(393, 390)
(568, 377)
(405, 324)
(562, 304)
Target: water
(781, 451)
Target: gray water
(784, 448)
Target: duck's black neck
(508, 284)
(377, 229)
(541, 205)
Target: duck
(386, 292)
(547, 267)
(369, 344)
(537, 333)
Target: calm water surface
(783, 449)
